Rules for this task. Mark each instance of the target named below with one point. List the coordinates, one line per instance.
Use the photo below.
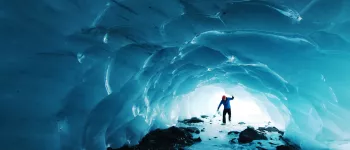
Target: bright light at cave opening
(205, 100)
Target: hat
(223, 97)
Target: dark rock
(259, 143)
(232, 132)
(270, 129)
(280, 137)
(233, 141)
(198, 139)
(248, 135)
(241, 123)
(192, 130)
(272, 143)
(192, 120)
(215, 137)
(281, 132)
(262, 129)
(125, 147)
(220, 131)
(204, 116)
(167, 138)
(284, 147)
(202, 130)
(209, 139)
(171, 138)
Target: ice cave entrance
(246, 107)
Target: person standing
(227, 108)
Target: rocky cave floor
(208, 133)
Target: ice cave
(99, 74)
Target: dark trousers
(224, 115)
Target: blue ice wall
(83, 74)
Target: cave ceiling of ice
(82, 74)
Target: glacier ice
(89, 74)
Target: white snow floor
(221, 142)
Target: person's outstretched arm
(230, 98)
(219, 105)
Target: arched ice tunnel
(83, 74)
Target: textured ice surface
(84, 74)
